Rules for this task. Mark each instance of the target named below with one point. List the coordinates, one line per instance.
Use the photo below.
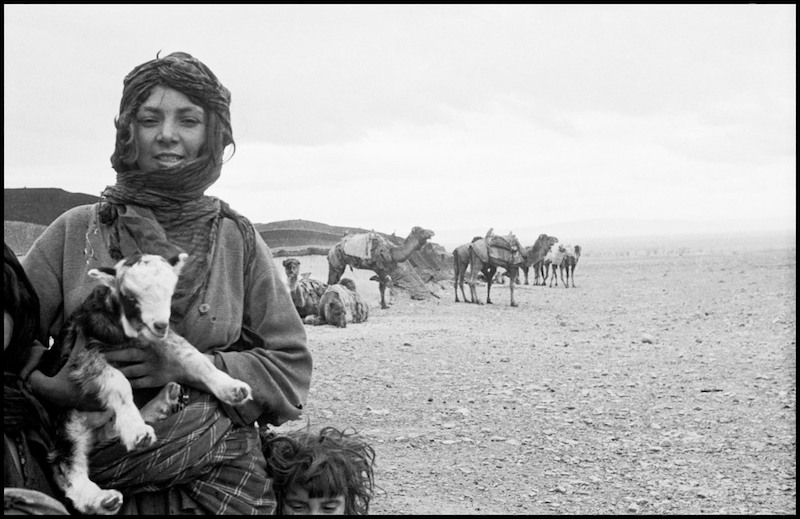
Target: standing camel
(371, 251)
(555, 257)
(534, 256)
(460, 264)
(571, 257)
(492, 252)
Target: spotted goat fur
(130, 307)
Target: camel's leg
(459, 278)
(490, 272)
(382, 288)
(554, 275)
(562, 269)
(475, 267)
(513, 273)
(461, 282)
(334, 274)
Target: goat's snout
(161, 327)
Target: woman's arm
(272, 354)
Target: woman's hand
(59, 390)
(149, 367)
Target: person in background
(28, 485)
(172, 132)
(325, 473)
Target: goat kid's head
(143, 285)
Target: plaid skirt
(201, 464)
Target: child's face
(297, 502)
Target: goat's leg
(133, 432)
(114, 392)
(166, 403)
(201, 371)
(72, 472)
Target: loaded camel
(571, 257)
(534, 256)
(460, 264)
(305, 292)
(371, 251)
(486, 254)
(561, 258)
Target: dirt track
(562, 405)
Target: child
(327, 473)
(28, 486)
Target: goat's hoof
(166, 403)
(111, 503)
(236, 393)
(137, 437)
(101, 502)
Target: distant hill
(40, 205)
(28, 211)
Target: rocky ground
(659, 385)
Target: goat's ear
(106, 275)
(178, 262)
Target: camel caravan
(337, 302)
(483, 255)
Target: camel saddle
(358, 245)
(503, 249)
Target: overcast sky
(442, 116)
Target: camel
(555, 258)
(571, 257)
(492, 252)
(460, 264)
(339, 305)
(305, 292)
(534, 256)
(371, 251)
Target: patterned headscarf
(166, 212)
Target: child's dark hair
(325, 464)
(21, 302)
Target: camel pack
(505, 248)
(358, 245)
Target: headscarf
(166, 212)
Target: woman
(28, 485)
(172, 130)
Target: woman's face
(297, 502)
(169, 130)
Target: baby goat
(130, 307)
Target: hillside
(28, 211)
(40, 205)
